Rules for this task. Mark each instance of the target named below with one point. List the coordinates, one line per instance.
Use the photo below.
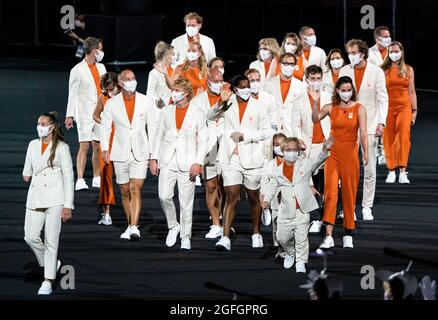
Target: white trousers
(46, 252)
(169, 176)
(293, 238)
(370, 173)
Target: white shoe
(403, 178)
(215, 232)
(327, 243)
(58, 265)
(224, 243)
(390, 178)
(96, 182)
(185, 244)
(315, 226)
(280, 253)
(135, 234)
(367, 214)
(46, 288)
(288, 262)
(381, 161)
(105, 220)
(172, 235)
(348, 242)
(266, 217)
(300, 267)
(81, 185)
(198, 181)
(257, 240)
(127, 234)
(341, 215)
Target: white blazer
(317, 57)
(372, 95)
(374, 56)
(260, 66)
(298, 189)
(302, 124)
(181, 46)
(49, 187)
(255, 127)
(135, 136)
(189, 144)
(82, 92)
(157, 88)
(297, 94)
(327, 82)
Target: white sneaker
(135, 234)
(280, 253)
(105, 220)
(185, 244)
(315, 226)
(403, 178)
(327, 243)
(381, 160)
(127, 234)
(367, 214)
(348, 242)
(341, 215)
(172, 235)
(266, 217)
(300, 267)
(46, 288)
(257, 240)
(215, 232)
(81, 185)
(96, 182)
(224, 243)
(288, 262)
(198, 181)
(390, 178)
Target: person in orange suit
(402, 112)
(110, 88)
(347, 117)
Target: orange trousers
(106, 194)
(397, 137)
(343, 164)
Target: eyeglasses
(288, 64)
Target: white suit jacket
(135, 136)
(327, 82)
(374, 56)
(82, 92)
(157, 88)
(372, 95)
(181, 46)
(298, 189)
(260, 66)
(297, 94)
(317, 57)
(49, 187)
(255, 127)
(268, 102)
(189, 144)
(302, 124)
(268, 169)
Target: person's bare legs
(255, 208)
(95, 158)
(221, 195)
(232, 198)
(126, 201)
(81, 159)
(135, 186)
(329, 230)
(211, 197)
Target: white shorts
(210, 171)
(88, 131)
(234, 174)
(130, 169)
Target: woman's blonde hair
(297, 41)
(401, 64)
(272, 45)
(161, 50)
(202, 61)
(184, 85)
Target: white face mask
(43, 131)
(315, 85)
(385, 42)
(277, 151)
(192, 31)
(130, 86)
(287, 71)
(395, 56)
(113, 93)
(177, 96)
(310, 40)
(99, 56)
(337, 63)
(215, 87)
(345, 95)
(291, 156)
(222, 70)
(244, 94)
(255, 87)
(355, 59)
(264, 54)
(290, 48)
(192, 56)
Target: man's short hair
(91, 43)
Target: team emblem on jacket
(350, 115)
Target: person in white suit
(178, 153)
(83, 93)
(370, 84)
(291, 179)
(193, 22)
(312, 55)
(48, 168)
(246, 126)
(335, 62)
(133, 118)
(287, 91)
(378, 53)
(269, 51)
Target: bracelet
(414, 110)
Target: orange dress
(196, 79)
(343, 164)
(397, 133)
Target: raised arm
(317, 116)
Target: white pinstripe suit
(181, 46)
